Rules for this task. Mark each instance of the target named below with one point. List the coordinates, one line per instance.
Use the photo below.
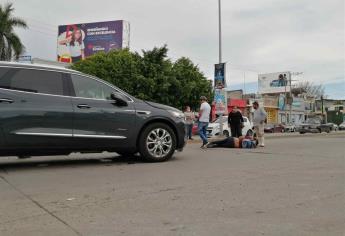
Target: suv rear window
(31, 80)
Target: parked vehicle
(274, 128)
(342, 126)
(195, 130)
(334, 127)
(55, 111)
(314, 125)
(289, 128)
(214, 128)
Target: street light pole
(220, 30)
(220, 118)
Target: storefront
(271, 108)
(239, 103)
(272, 115)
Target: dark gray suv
(56, 111)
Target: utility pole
(285, 106)
(322, 108)
(244, 83)
(290, 119)
(291, 98)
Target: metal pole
(220, 61)
(285, 106)
(290, 102)
(323, 118)
(220, 30)
(244, 82)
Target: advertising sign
(219, 75)
(274, 82)
(281, 102)
(77, 41)
(220, 101)
(298, 104)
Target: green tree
(191, 84)
(10, 44)
(150, 76)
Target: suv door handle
(83, 106)
(6, 100)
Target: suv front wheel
(157, 142)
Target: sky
(258, 36)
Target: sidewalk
(196, 138)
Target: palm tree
(10, 44)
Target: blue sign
(219, 75)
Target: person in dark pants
(235, 121)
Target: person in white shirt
(75, 44)
(259, 118)
(204, 119)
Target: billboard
(274, 82)
(219, 75)
(77, 41)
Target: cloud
(258, 36)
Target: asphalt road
(293, 186)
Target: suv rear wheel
(157, 142)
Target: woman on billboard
(75, 44)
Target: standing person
(204, 119)
(235, 122)
(189, 121)
(259, 118)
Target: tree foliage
(150, 76)
(10, 44)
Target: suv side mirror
(119, 99)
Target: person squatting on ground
(204, 119)
(235, 121)
(233, 142)
(259, 118)
(189, 121)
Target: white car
(342, 126)
(289, 128)
(334, 127)
(213, 128)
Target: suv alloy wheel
(157, 142)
